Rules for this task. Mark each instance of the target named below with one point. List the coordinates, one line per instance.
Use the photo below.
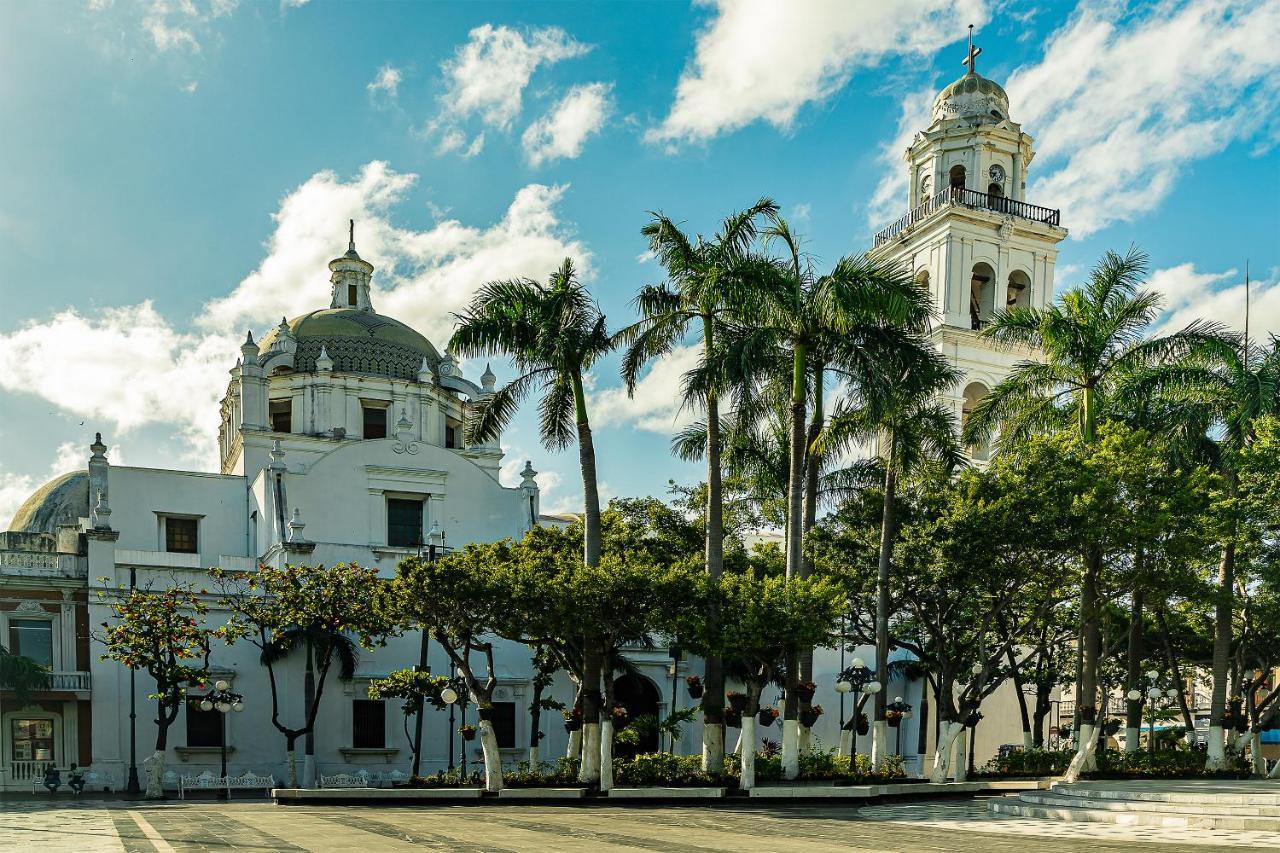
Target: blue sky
(176, 172)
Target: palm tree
(323, 648)
(703, 283)
(1089, 339)
(911, 428)
(553, 334)
(1229, 383)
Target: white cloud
(130, 366)
(763, 60)
(16, 488)
(179, 25)
(890, 198)
(563, 130)
(488, 74)
(1121, 107)
(800, 213)
(1190, 295)
(384, 88)
(655, 405)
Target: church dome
(357, 341)
(62, 499)
(972, 96)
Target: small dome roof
(358, 342)
(972, 96)
(62, 499)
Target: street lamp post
(451, 695)
(675, 652)
(132, 785)
(859, 679)
(224, 701)
(903, 710)
(1152, 697)
(435, 549)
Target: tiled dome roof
(357, 342)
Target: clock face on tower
(997, 173)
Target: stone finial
(248, 349)
(296, 526)
(425, 373)
(101, 513)
(488, 380)
(527, 481)
(323, 362)
(277, 457)
(98, 448)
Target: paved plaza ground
(934, 825)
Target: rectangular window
(368, 724)
(32, 638)
(404, 523)
(504, 724)
(204, 728)
(450, 436)
(282, 415)
(180, 535)
(352, 296)
(375, 422)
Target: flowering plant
(468, 732)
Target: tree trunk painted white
(308, 771)
(947, 734)
(1028, 741)
(846, 742)
(153, 768)
(291, 760)
(712, 745)
(806, 737)
(960, 761)
(879, 742)
(535, 757)
(747, 757)
(1242, 740)
(590, 771)
(1216, 757)
(492, 757)
(575, 746)
(1083, 761)
(1255, 752)
(606, 755)
(1275, 771)
(790, 745)
(1131, 738)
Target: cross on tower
(973, 53)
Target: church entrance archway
(641, 699)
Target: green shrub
(661, 769)
(1165, 764)
(448, 779)
(1028, 762)
(563, 772)
(816, 765)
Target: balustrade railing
(35, 564)
(964, 197)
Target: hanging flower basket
(694, 684)
(893, 718)
(810, 717)
(572, 720)
(973, 718)
(732, 717)
(864, 725)
(737, 701)
(805, 691)
(619, 717)
(767, 716)
(468, 732)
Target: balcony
(41, 565)
(974, 200)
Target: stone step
(1015, 807)
(1224, 792)
(1054, 798)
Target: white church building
(341, 440)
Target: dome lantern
(350, 275)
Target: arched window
(981, 295)
(973, 394)
(1019, 290)
(957, 177)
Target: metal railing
(70, 681)
(960, 196)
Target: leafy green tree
(1085, 344)
(418, 689)
(704, 281)
(554, 334)
(163, 633)
(326, 612)
(20, 675)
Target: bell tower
(969, 235)
(349, 276)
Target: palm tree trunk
(795, 540)
(713, 666)
(813, 465)
(1133, 709)
(591, 545)
(309, 742)
(1091, 651)
(1216, 759)
(879, 728)
(592, 666)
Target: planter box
(542, 793)
(666, 793)
(372, 795)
